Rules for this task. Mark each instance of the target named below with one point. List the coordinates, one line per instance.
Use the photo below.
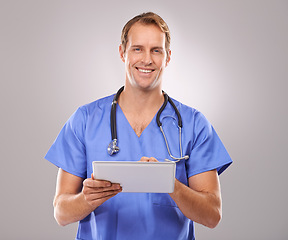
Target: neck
(140, 100)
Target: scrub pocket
(163, 199)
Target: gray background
(229, 60)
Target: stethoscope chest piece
(112, 147)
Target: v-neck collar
(168, 111)
(119, 110)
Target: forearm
(201, 207)
(72, 204)
(69, 208)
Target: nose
(147, 58)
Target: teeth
(144, 70)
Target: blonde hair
(146, 18)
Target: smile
(145, 70)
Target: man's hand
(97, 192)
(75, 197)
(147, 159)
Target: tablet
(153, 177)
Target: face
(145, 57)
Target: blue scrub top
(84, 139)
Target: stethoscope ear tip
(186, 157)
(167, 160)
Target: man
(103, 211)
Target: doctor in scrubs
(102, 210)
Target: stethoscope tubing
(113, 114)
(113, 148)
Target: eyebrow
(141, 46)
(135, 46)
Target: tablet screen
(156, 177)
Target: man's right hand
(97, 191)
(75, 197)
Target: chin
(145, 84)
(148, 86)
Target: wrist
(175, 193)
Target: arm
(201, 201)
(76, 198)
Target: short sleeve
(68, 150)
(208, 152)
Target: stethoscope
(113, 148)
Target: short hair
(147, 19)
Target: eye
(157, 50)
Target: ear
(168, 58)
(121, 52)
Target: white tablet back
(156, 177)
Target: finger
(144, 159)
(104, 194)
(99, 201)
(96, 183)
(101, 195)
(152, 159)
(147, 159)
(92, 190)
